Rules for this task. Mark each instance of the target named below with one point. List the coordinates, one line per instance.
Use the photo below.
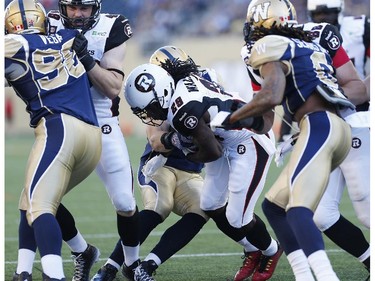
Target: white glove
(152, 166)
(284, 148)
(218, 120)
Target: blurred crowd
(161, 20)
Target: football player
(101, 48)
(46, 74)
(177, 93)
(169, 183)
(297, 74)
(327, 216)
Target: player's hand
(221, 120)
(175, 139)
(152, 165)
(80, 47)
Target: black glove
(80, 47)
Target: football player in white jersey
(189, 102)
(101, 47)
(67, 143)
(291, 68)
(169, 183)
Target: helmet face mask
(25, 17)
(80, 23)
(325, 11)
(148, 91)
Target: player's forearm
(106, 81)
(356, 92)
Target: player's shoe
(267, 266)
(47, 278)
(23, 276)
(128, 271)
(145, 270)
(106, 273)
(83, 263)
(251, 260)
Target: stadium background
(209, 31)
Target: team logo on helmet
(260, 12)
(145, 82)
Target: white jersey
(356, 40)
(110, 32)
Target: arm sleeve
(121, 32)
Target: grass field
(210, 256)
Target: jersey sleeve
(186, 119)
(340, 58)
(269, 48)
(331, 39)
(366, 36)
(120, 32)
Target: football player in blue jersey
(46, 74)
(299, 75)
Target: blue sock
(25, 234)
(276, 217)
(48, 235)
(308, 235)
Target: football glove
(152, 165)
(80, 47)
(221, 120)
(176, 140)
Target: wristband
(88, 62)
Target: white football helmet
(316, 5)
(25, 17)
(148, 91)
(267, 13)
(80, 23)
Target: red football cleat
(267, 266)
(251, 260)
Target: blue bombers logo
(356, 143)
(106, 129)
(145, 82)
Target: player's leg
(323, 144)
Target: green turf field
(210, 256)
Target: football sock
(117, 254)
(26, 234)
(178, 235)
(257, 234)
(66, 222)
(348, 237)
(52, 266)
(321, 266)
(307, 233)
(77, 244)
(150, 220)
(276, 217)
(47, 235)
(25, 261)
(300, 266)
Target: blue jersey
(176, 159)
(46, 74)
(309, 65)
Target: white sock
(248, 247)
(300, 266)
(77, 244)
(113, 263)
(155, 258)
(131, 254)
(365, 255)
(25, 261)
(321, 266)
(271, 250)
(53, 266)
